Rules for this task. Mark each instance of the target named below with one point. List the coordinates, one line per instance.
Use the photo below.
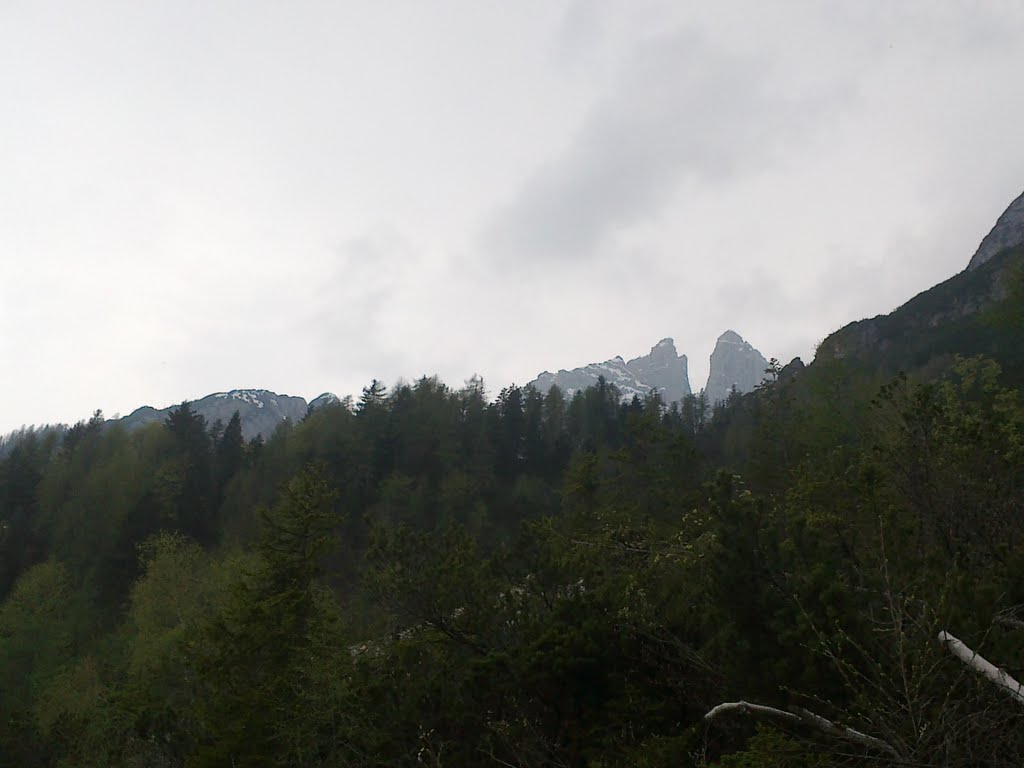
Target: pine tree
(230, 453)
(246, 658)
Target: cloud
(606, 173)
(351, 308)
(681, 110)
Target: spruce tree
(248, 659)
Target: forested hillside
(435, 577)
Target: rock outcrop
(947, 319)
(792, 369)
(259, 410)
(327, 398)
(662, 370)
(734, 363)
(614, 372)
(1007, 233)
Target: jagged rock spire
(734, 363)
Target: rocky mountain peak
(734, 363)
(662, 370)
(327, 398)
(260, 410)
(664, 348)
(1007, 233)
(257, 398)
(792, 369)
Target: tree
(246, 658)
(230, 454)
(373, 396)
(187, 476)
(20, 475)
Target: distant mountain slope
(259, 409)
(734, 364)
(979, 311)
(1007, 233)
(958, 316)
(662, 369)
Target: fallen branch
(802, 716)
(982, 666)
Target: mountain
(1007, 233)
(734, 363)
(978, 311)
(662, 369)
(327, 398)
(614, 372)
(259, 409)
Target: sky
(199, 196)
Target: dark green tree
(248, 659)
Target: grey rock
(614, 372)
(734, 363)
(1007, 233)
(327, 398)
(260, 411)
(664, 370)
(792, 369)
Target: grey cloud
(350, 308)
(754, 169)
(581, 27)
(681, 110)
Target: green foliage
(245, 656)
(531, 581)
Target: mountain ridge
(939, 322)
(260, 410)
(1006, 233)
(954, 317)
(734, 363)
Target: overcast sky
(301, 196)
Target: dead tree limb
(982, 666)
(803, 716)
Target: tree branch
(808, 718)
(982, 666)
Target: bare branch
(807, 718)
(982, 666)
(847, 734)
(746, 708)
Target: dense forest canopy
(431, 576)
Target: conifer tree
(247, 658)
